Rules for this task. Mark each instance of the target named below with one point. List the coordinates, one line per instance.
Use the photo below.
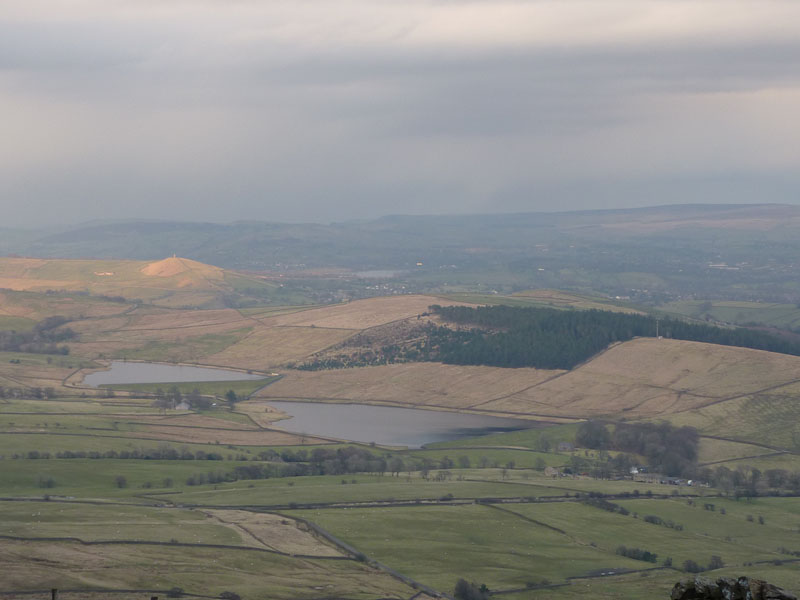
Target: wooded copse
(667, 449)
(42, 339)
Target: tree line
(35, 393)
(44, 338)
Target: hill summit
(170, 267)
(174, 282)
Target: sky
(331, 110)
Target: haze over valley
(415, 300)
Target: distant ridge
(713, 250)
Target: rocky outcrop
(728, 588)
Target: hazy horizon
(310, 222)
(312, 112)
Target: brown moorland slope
(408, 384)
(639, 378)
(228, 337)
(649, 377)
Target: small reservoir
(388, 425)
(142, 372)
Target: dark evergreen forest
(504, 336)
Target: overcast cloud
(323, 110)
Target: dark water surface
(136, 372)
(388, 425)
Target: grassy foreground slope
(512, 528)
(523, 546)
(206, 552)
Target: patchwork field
(475, 542)
(770, 417)
(249, 572)
(130, 496)
(547, 299)
(551, 542)
(784, 316)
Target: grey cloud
(189, 119)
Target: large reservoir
(387, 425)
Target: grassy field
(189, 349)
(475, 542)
(206, 388)
(782, 316)
(97, 523)
(113, 522)
(12, 323)
(705, 532)
(556, 541)
(357, 488)
(650, 584)
(508, 547)
(25, 371)
(545, 299)
(771, 417)
(198, 570)
(51, 438)
(493, 457)
(76, 406)
(789, 462)
(712, 451)
(121, 423)
(97, 478)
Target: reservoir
(136, 372)
(388, 425)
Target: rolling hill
(172, 281)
